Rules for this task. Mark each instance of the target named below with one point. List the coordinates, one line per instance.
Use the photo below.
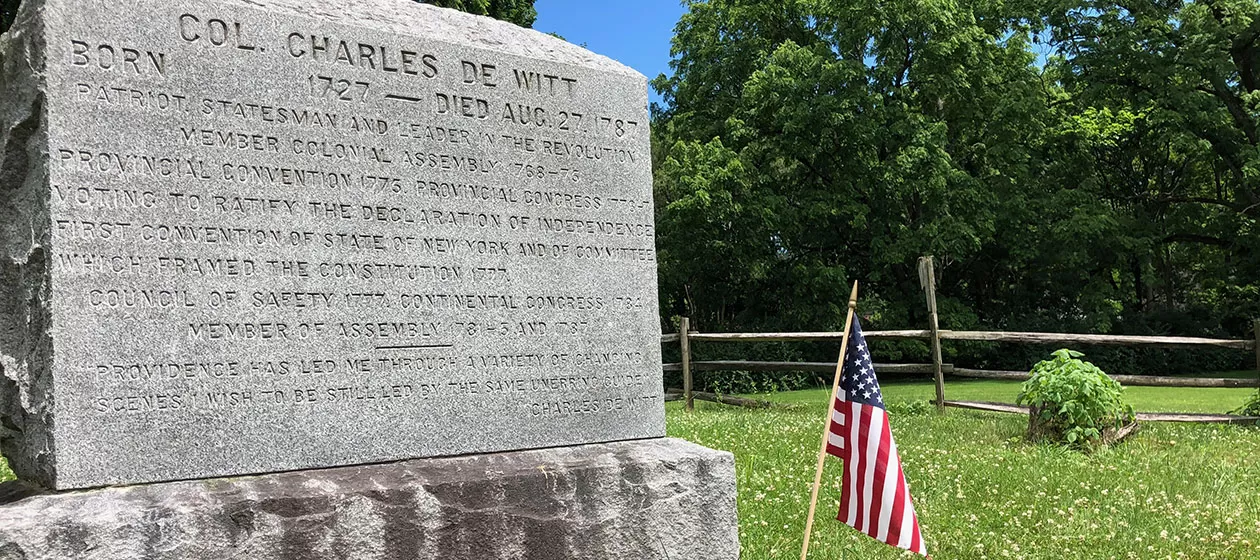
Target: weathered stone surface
(645, 500)
(26, 407)
(244, 236)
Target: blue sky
(635, 32)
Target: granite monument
(245, 237)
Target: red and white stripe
(875, 498)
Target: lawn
(1171, 491)
(1143, 399)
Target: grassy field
(1171, 491)
(1143, 399)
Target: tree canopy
(1073, 165)
(8, 11)
(520, 12)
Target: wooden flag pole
(831, 403)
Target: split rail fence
(938, 369)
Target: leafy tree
(1190, 166)
(520, 12)
(806, 143)
(868, 134)
(8, 11)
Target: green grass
(1143, 399)
(1170, 491)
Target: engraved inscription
(104, 56)
(288, 232)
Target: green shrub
(1073, 401)
(1249, 408)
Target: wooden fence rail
(1141, 416)
(824, 367)
(1135, 380)
(804, 336)
(687, 366)
(985, 336)
(1099, 339)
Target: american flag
(875, 499)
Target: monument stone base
(641, 500)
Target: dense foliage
(1250, 407)
(520, 12)
(1072, 400)
(1074, 166)
(8, 11)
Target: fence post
(684, 340)
(927, 277)
(1256, 326)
